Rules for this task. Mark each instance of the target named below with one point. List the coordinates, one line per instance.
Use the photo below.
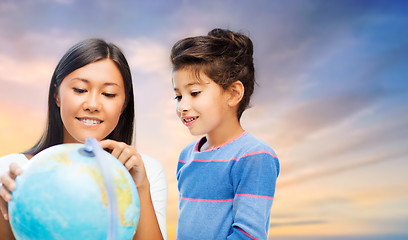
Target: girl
(227, 178)
(91, 95)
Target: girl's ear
(236, 90)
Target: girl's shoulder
(257, 143)
(192, 146)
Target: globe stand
(91, 148)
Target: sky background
(332, 96)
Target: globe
(63, 193)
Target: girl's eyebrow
(188, 85)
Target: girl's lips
(188, 121)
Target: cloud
(7, 6)
(307, 117)
(26, 96)
(146, 55)
(29, 60)
(25, 72)
(274, 224)
(309, 174)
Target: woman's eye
(195, 93)
(178, 98)
(109, 95)
(79, 90)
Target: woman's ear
(56, 96)
(124, 105)
(236, 93)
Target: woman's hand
(129, 157)
(8, 184)
(148, 226)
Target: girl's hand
(8, 184)
(129, 157)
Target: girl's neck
(224, 135)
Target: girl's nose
(183, 106)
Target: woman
(91, 95)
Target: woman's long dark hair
(80, 55)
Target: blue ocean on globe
(61, 194)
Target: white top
(154, 171)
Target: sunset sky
(332, 96)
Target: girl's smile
(188, 121)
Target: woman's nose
(92, 103)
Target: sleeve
(5, 161)
(158, 190)
(254, 178)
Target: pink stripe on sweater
(258, 152)
(210, 160)
(252, 195)
(248, 234)
(232, 159)
(207, 200)
(215, 148)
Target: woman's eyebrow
(87, 81)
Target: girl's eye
(109, 95)
(178, 98)
(79, 90)
(194, 94)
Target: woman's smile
(90, 121)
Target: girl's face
(91, 100)
(201, 104)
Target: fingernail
(5, 216)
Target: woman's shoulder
(14, 157)
(151, 162)
(154, 168)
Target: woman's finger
(5, 194)
(115, 147)
(126, 154)
(8, 182)
(14, 170)
(4, 208)
(108, 144)
(130, 158)
(131, 162)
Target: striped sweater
(226, 192)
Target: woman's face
(91, 100)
